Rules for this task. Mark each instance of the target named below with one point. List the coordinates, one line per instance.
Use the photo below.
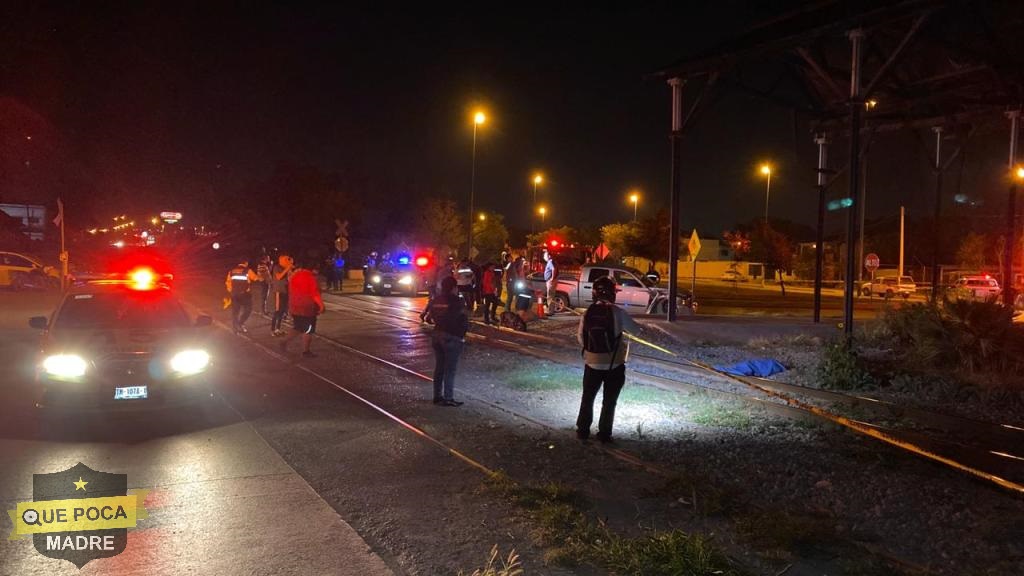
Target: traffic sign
(871, 262)
(694, 244)
(602, 251)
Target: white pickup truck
(637, 294)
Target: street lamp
(766, 169)
(635, 199)
(483, 216)
(537, 181)
(543, 213)
(478, 119)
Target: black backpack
(599, 334)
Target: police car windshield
(137, 310)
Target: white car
(977, 288)
(890, 286)
(733, 276)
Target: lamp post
(478, 119)
(537, 181)
(543, 213)
(635, 199)
(767, 171)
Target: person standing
(239, 284)
(489, 290)
(604, 355)
(305, 304)
(279, 294)
(550, 280)
(262, 283)
(450, 324)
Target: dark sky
(163, 105)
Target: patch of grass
(795, 341)
(572, 538)
(504, 566)
(539, 380)
(718, 413)
(638, 393)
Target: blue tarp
(760, 367)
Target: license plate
(387, 285)
(131, 393)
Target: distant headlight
(406, 280)
(190, 362)
(65, 365)
(375, 279)
(520, 285)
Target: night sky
(160, 107)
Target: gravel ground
(827, 485)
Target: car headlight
(190, 362)
(520, 285)
(406, 280)
(65, 366)
(375, 279)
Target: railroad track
(984, 450)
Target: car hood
(102, 342)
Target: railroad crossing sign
(694, 244)
(871, 262)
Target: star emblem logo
(80, 485)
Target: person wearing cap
(239, 285)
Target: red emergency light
(422, 261)
(553, 243)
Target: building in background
(32, 217)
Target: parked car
(977, 288)
(734, 276)
(637, 293)
(889, 286)
(20, 272)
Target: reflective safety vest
(239, 277)
(464, 277)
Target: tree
(972, 251)
(621, 239)
(564, 234)
(490, 237)
(439, 225)
(739, 242)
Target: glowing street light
(478, 119)
(543, 213)
(1020, 173)
(483, 216)
(538, 179)
(635, 199)
(766, 169)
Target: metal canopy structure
(861, 68)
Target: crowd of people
(456, 291)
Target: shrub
(841, 369)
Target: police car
(121, 343)
(405, 276)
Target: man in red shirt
(305, 304)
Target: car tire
(889, 294)
(561, 303)
(866, 291)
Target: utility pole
(676, 192)
(899, 272)
(856, 106)
(819, 241)
(936, 234)
(1009, 289)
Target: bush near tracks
(960, 351)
